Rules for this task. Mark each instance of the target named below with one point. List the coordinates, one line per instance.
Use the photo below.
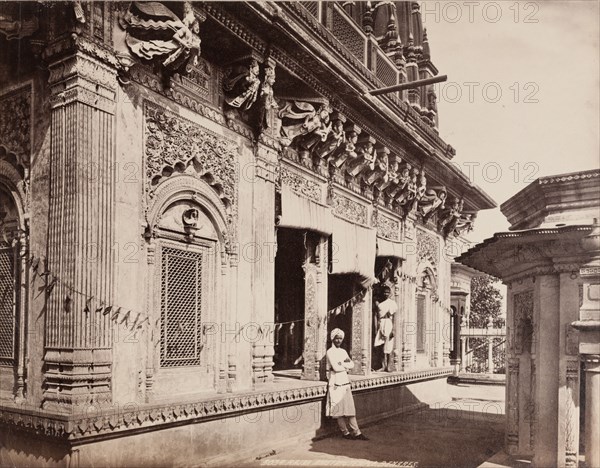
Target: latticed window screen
(181, 307)
(342, 29)
(385, 72)
(7, 306)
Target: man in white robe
(340, 403)
(385, 328)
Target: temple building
(192, 195)
(550, 262)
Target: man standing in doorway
(385, 328)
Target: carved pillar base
(77, 378)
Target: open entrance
(385, 269)
(289, 299)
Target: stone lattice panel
(7, 306)
(348, 35)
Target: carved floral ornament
(175, 145)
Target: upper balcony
(385, 44)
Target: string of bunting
(135, 320)
(130, 318)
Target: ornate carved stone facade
(159, 137)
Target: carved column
(512, 406)
(361, 334)
(80, 238)
(263, 283)
(152, 337)
(315, 313)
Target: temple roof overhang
(329, 69)
(572, 198)
(531, 252)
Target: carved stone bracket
(164, 34)
(242, 84)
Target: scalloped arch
(13, 183)
(187, 187)
(426, 268)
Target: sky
(522, 96)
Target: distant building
(192, 195)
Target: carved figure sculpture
(365, 157)
(379, 172)
(267, 101)
(431, 202)
(155, 33)
(421, 188)
(464, 224)
(346, 151)
(409, 191)
(334, 139)
(302, 121)
(450, 217)
(241, 86)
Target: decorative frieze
(387, 227)
(428, 247)
(15, 123)
(173, 143)
(349, 209)
(301, 185)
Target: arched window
(11, 299)
(187, 296)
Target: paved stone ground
(463, 432)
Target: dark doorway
(289, 299)
(341, 289)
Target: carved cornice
(232, 24)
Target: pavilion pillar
(463, 347)
(592, 409)
(589, 343)
(79, 283)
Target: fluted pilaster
(80, 236)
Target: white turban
(336, 332)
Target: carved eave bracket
(163, 34)
(241, 85)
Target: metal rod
(409, 85)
